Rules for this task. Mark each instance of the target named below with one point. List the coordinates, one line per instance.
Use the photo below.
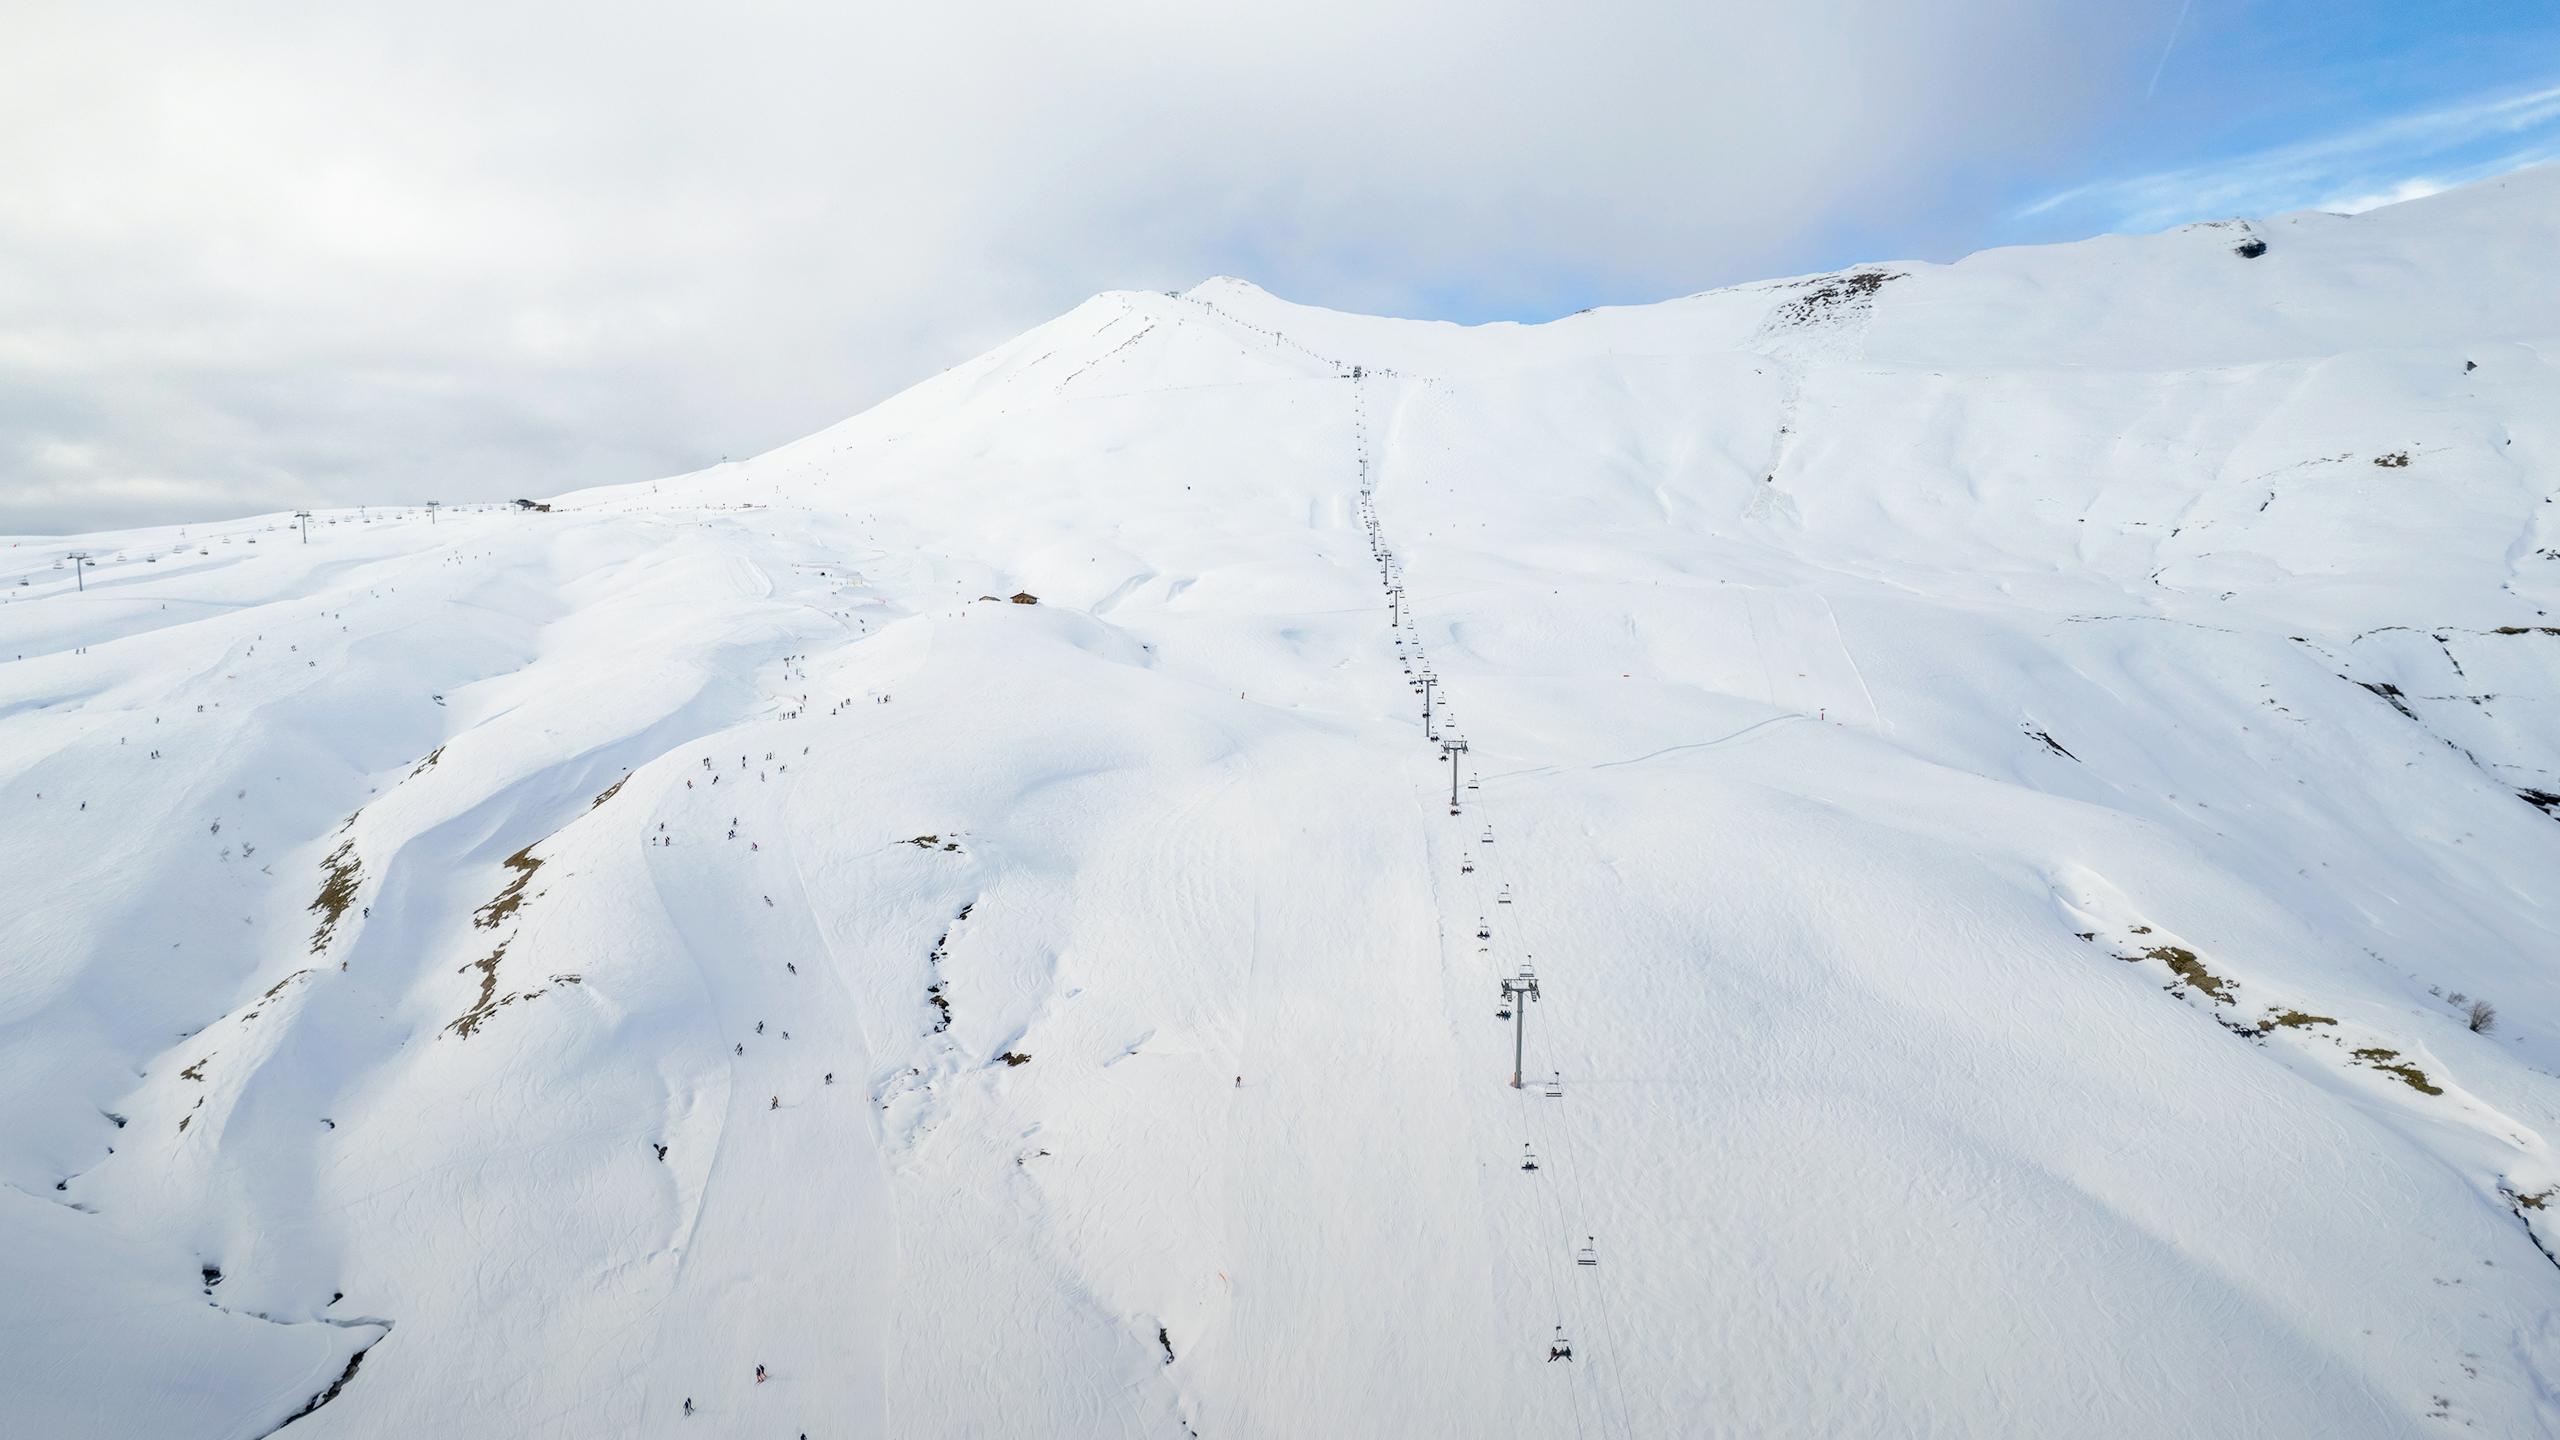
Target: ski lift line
(1570, 1260)
(1572, 1170)
(1558, 1153)
(1551, 1221)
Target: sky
(260, 256)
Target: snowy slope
(2000, 770)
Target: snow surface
(1997, 781)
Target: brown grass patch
(524, 863)
(2182, 962)
(2407, 1074)
(339, 876)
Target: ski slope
(2000, 771)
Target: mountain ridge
(2007, 847)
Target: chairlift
(1561, 1349)
(1471, 779)
(1483, 931)
(1555, 1086)
(1528, 1158)
(1465, 866)
(1488, 834)
(1505, 897)
(1587, 1255)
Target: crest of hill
(2462, 270)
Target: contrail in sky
(2165, 49)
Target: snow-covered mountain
(2009, 776)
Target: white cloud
(2403, 157)
(267, 254)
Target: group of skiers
(761, 1377)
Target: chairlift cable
(1391, 582)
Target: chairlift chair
(1505, 897)
(1466, 867)
(1586, 1255)
(1528, 1158)
(1488, 834)
(1555, 1086)
(1483, 931)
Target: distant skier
(662, 1150)
(759, 1027)
(688, 1404)
(760, 1376)
(1239, 1082)
(831, 1077)
(776, 1105)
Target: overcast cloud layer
(256, 255)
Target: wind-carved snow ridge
(2026, 790)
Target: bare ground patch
(340, 874)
